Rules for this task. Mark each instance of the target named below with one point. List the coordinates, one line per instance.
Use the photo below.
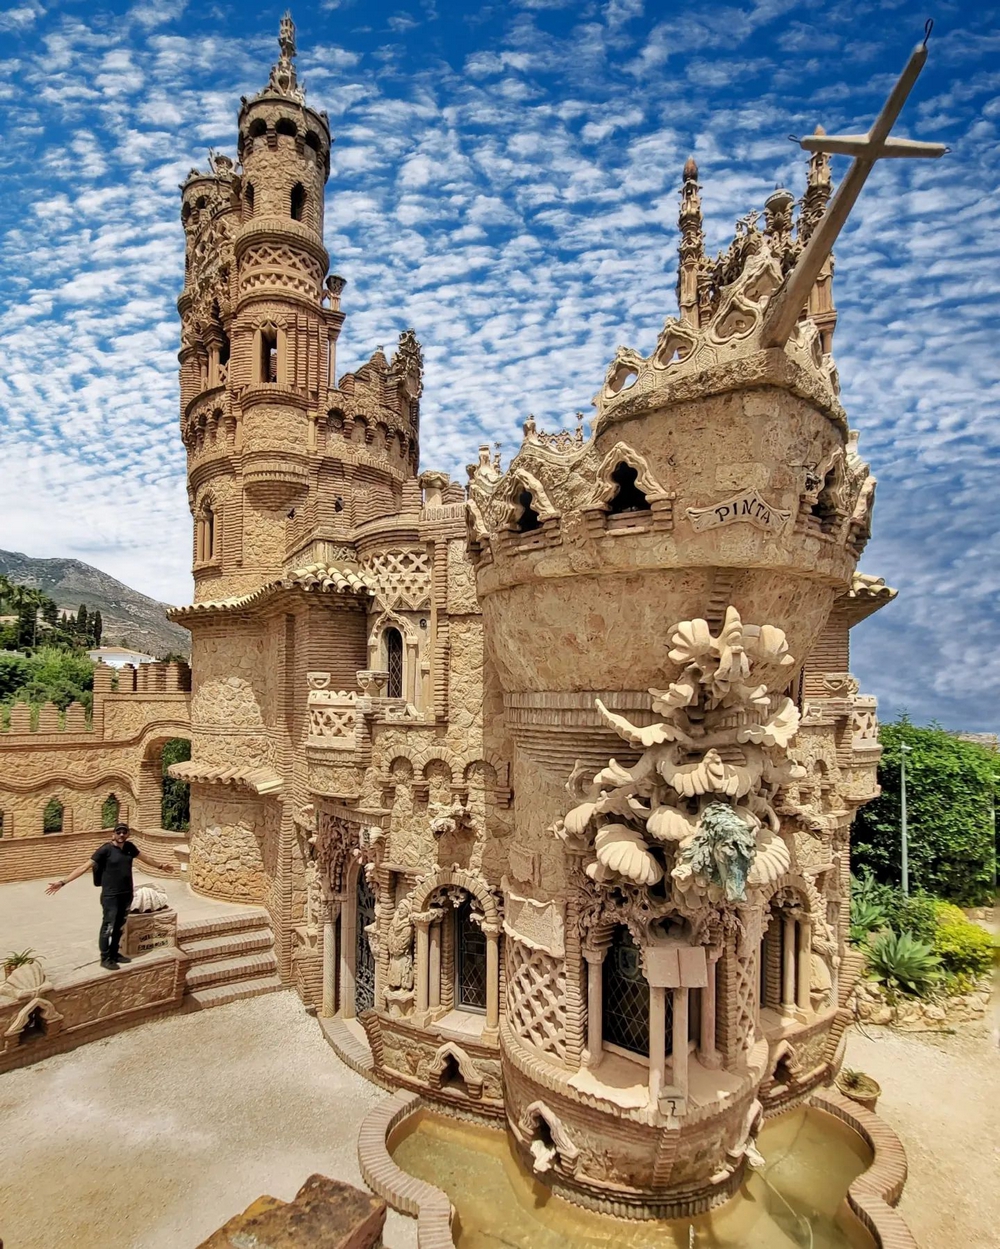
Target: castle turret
(818, 189)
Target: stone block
(325, 1214)
(149, 930)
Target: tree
(50, 611)
(175, 811)
(96, 627)
(949, 792)
(81, 620)
(15, 672)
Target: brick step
(227, 944)
(242, 921)
(219, 994)
(226, 970)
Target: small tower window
(209, 533)
(628, 498)
(626, 996)
(52, 817)
(269, 355)
(248, 198)
(312, 140)
(394, 662)
(286, 126)
(528, 518)
(224, 349)
(298, 201)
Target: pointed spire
(820, 306)
(283, 79)
(692, 245)
(817, 194)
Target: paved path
(62, 929)
(153, 1138)
(941, 1094)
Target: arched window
(628, 497)
(298, 201)
(312, 140)
(52, 818)
(528, 518)
(364, 960)
(470, 961)
(268, 355)
(248, 198)
(109, 811)
(626, 997)
(286, 126)
(224, 350)
(258, 128)
(393, 642)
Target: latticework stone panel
(402, 578)
(536, 998)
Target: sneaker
(121, 958)
(109, 964)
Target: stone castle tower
(546, 784)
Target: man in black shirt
(112, 868)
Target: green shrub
(950, 788)
(964, 949)
(916, 914)
(902, 963)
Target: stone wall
(82, 763)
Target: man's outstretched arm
(56, 885)
(144, 858)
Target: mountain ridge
(127, 615)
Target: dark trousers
(112, 923)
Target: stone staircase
(231, 956)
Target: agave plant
(902, 963)
(15, 960)
(866, 916)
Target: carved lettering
(747, 506)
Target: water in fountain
(795, 1202)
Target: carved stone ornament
(695, 816)
(748, 506)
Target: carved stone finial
(692, 246)
(283, 79)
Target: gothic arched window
(393, 641)
(628, 497)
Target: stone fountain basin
(830, 1162)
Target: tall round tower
(281, 346)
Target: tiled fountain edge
(431, 1206)
(876, 1191)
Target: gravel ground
(151, 1139)
(941, 1094)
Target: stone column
(331, 912)
(804, 965)
(595, 1004)
(788, 965)
(421, 923)
(434, 967)
(657, 1041)
(708, 1054)
(680, 1041)
(492, 933)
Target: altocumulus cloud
(505, 180)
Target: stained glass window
(626, 995)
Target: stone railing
(333, 714)
(864, 723)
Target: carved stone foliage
(694, 821)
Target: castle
(545, 779)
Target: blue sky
(505, 180)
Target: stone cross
(784, 309)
